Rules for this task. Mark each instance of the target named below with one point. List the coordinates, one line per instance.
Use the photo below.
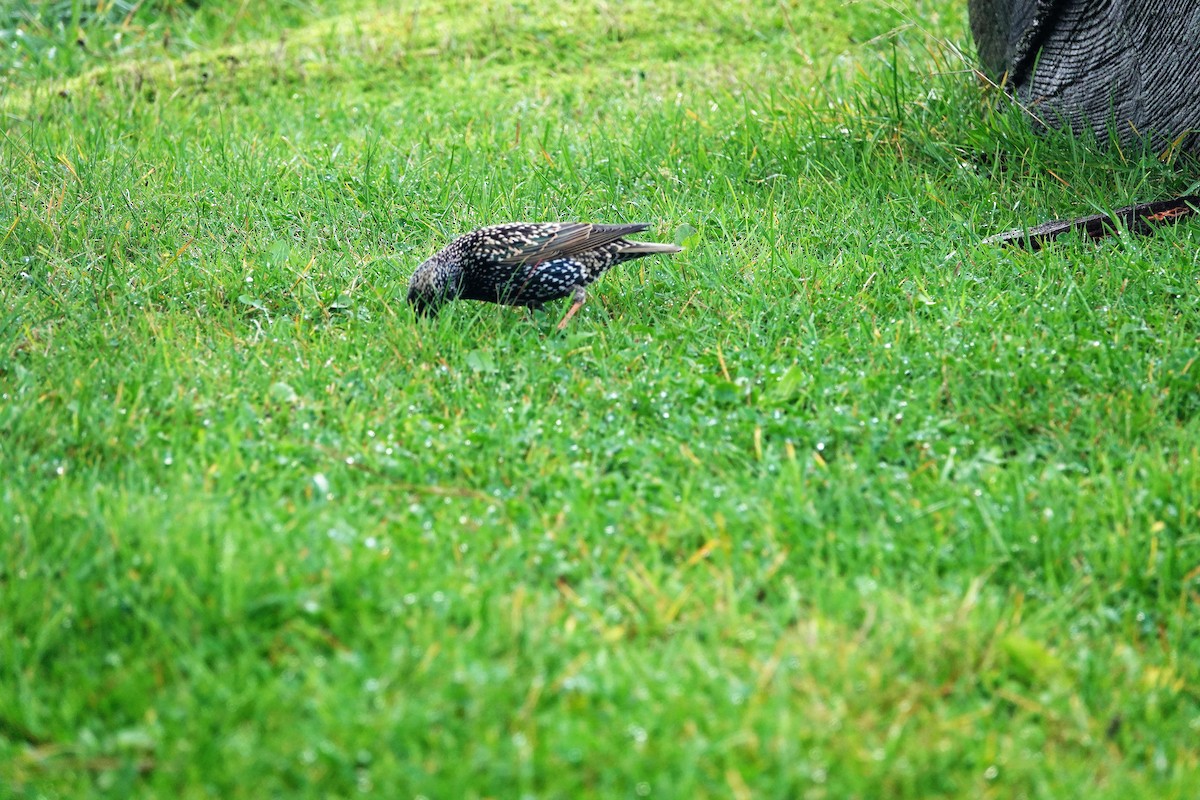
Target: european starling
(526, 264)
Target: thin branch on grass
(1139, 218)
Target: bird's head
(433, 283)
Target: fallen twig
(1140, 219)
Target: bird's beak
(421, 303)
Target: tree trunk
(1129, 69)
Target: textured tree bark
(1126, 68)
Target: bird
(526, 264)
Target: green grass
(837, 503)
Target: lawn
(838, 503)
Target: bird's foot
(580, 298)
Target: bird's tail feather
(647, 248)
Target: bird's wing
(567, 239)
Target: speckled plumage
(526, 263)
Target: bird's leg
(580, 298)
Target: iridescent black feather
(526, 263)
